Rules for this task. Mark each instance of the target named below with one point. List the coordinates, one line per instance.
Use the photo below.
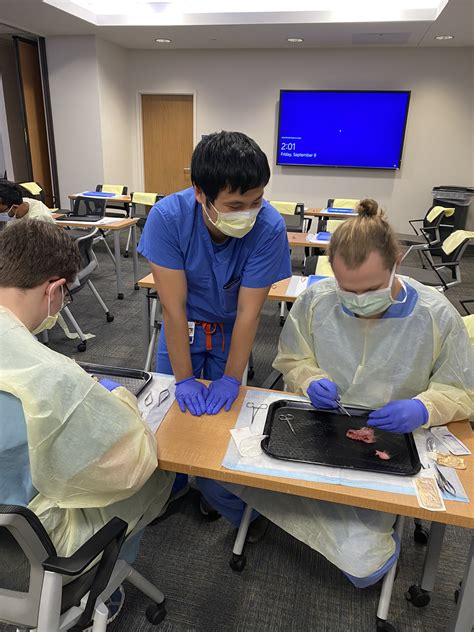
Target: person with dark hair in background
(214, 249)
(15, 202)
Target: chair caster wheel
(418, 597)
(110, 317)
(237, 562)
(120, 297)
(81, 346)
(282, 321)
(136, 286)
(250, 374)
(155, 613)
(125, 254)
(420, 535)
(384, 626)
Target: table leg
(419, 595)
(433, 553)
(464, 617)
(145, 320)
(237, 561)
(135, 255)
(118, 267)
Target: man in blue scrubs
(214, 249)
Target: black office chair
(85, 241)
(34, 595)
(442, 275)
(466, 302)
(292, 213)
(117, 209)
(428, 233)
(33, 190)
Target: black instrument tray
(133, 379)
(320, 439)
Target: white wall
(115, 103)
(75, 103)
(238, 90)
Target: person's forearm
(243, 336)
(177, 342)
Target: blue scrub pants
(209, 365)
(232, 508)
(223, 501)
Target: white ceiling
(456, 19)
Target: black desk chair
(85, 241)
(39, 598)
(292, 213)
(117, 209)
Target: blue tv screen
(342, 128)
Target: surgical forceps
(256, 409)
(288, 418)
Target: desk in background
(197, 447)
(115, 227)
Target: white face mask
(369, 303)
(51, 319)
(236, 223)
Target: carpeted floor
(285, 585)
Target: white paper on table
(296, 285)
(266, 465)
(154, 414)
(313, 239)
(101, 222)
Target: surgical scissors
(443, 483)
(288, 417)
(256, 409)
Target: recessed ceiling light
(444, 37)
(162, 40)
(295, 40)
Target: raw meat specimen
(382, 454)
(367, 435)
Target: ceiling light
(444, 37)
(295, 40)
(162, 40)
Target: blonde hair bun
(367, 208)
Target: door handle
(187, 170)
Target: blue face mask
(369, 303)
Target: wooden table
(197, 447)
(323, 214)
(296, 240)
(115, 227)
(278, 292)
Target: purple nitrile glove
(402, 415)
(323, 393)
(192, 395)
(110, 385)
(222, 392)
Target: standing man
(214, 249)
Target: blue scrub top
(175, 236)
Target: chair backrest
(292, 213)
(24, 545)
(144, 199)
(349, 203)
(118, 189)
(84, 206)
(35, 190)
(453, 249)
(89, 261)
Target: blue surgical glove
(323, 393)
(402, 415)
(222, 392)
(192, 395)
(110, 385)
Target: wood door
(167, 142)
(34, 114)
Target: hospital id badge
(191, 329)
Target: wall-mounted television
(342, 128)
